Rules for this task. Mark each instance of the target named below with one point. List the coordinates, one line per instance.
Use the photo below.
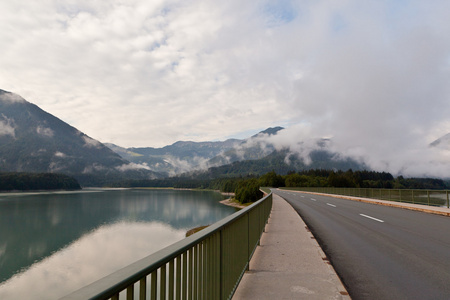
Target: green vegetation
(195, 230)
(247, 189)
(37, 181)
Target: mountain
(269, 131)
(32, 140)
(282, 162)
(442, 142)
(177, 158)
(252, 148)
(182, 157)
(254, 155)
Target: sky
(371, 75)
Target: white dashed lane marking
(372, 218)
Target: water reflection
(92, 257)
(39, 230)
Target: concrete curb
(339, 284)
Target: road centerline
(332, 205)
(372, 218)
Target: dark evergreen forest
(246, 188)
(37, 181)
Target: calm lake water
(54, 243)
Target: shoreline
(233, 203)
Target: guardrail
(425, 197)
(206, 265)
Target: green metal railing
(424, 197)
(205, 265)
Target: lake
(54, 243)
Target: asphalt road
(380, 252)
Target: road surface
(380, 252)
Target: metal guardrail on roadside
(206, 265)
(424, 197)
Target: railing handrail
(116, 282)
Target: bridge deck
(289, 264)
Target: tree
(248, 191)
(271, 179)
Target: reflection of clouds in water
(92, 257)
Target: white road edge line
(375, 219)
(331, 204)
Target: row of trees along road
(247, 190)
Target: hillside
(32, 140)
(255, 155)
(280, 162)
(186, 156)
(442, 142)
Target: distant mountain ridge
(282, 163)
(442, 142)
(234, 157)
(32, 140)
(185, 156)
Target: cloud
(133, 166)
(11, 97)
(60, 154)
(374, 76)
(179, 165)
(93, 256)
(93, 168)
(48, 132)
(91, 143)
(7, 126)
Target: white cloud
(48, 132)
(60, 154)
(91, 143)
(138, 73)
(133, 166)
(7, 126)
(93, 168)
(93, 256)
(11, 98)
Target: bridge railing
(424, 197)
(206, 265)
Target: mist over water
(52, 244)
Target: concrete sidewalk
(289, 263)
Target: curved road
(380, 252)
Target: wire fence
(424, 197)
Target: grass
(194, 230)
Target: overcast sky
(373, 75)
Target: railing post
(248, 241)
(448, 204)
(143, 289)
(428, 197)
(221, 257)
